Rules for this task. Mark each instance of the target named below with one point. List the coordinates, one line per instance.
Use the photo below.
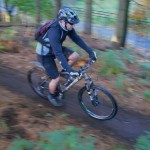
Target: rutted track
(126, 125)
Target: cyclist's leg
(53, 85)
(71, 56)
(51, 69)
(50, 66)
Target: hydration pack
(41, 31)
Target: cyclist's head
(68, 15)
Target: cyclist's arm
(78, 40)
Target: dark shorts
(49, 62)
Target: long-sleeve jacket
(55, 38)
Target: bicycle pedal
(61, 96)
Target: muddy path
(125, 126)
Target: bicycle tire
(35, 77)
(87, 106)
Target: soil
(21, 115)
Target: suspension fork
(89, 84)
(93, 97)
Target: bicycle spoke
(39, 82)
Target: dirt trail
(126, 125)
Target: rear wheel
(39, 81)
(102, 107)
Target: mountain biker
(55, 36)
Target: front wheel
(98, 102)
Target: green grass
(8, 34)
(33, 44)
(145, 82)
(145, 65)
(145, 70)
(3, 125)
(147, 95)
(120, 148)
(2, 48)
(70, 138)
(112, 63)
(120, 80)
(142, 143)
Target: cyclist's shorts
(49, 63)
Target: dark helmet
(68, 15)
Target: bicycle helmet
(68, 15)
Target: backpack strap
(44, 43)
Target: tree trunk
(38, 12)
(8, 9)
(58, 6)
(121, 28)
(88, 17)
(1, 18)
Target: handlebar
(82, 68)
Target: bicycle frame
(88, 81)
(83, 75)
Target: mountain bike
(95, 100)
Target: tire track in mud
(126, 126)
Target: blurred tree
(0, 16)
(140, 14)
(58, 6)
(9, 8)
(30, 7)
(121, 28)
(38, 12)
(88, 17)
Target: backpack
(41, 31)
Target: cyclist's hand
(75, 73)
(93, 56)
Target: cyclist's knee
(56, 79)
(73, 58)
